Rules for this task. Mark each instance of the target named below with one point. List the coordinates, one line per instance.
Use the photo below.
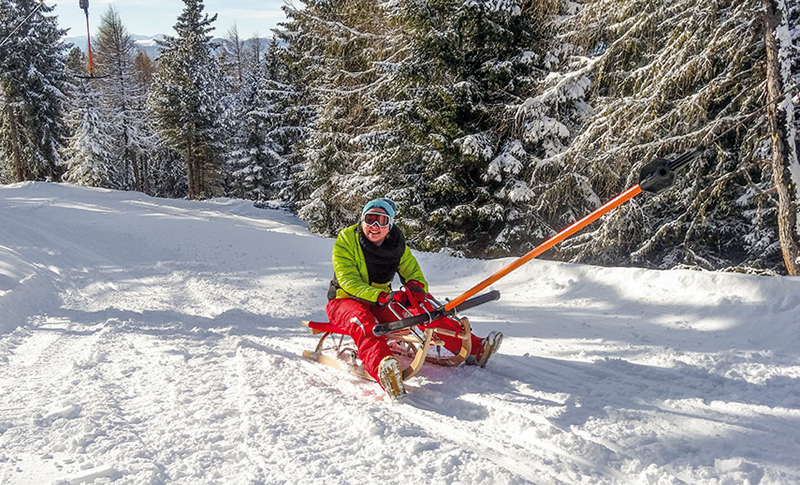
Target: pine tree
(125, 100)
(32, 83)
(232, 58)
(462, 162)
(261, 163)
(285, 116)
(162, 169)
(143, 70)
(663, 80)
(90, 156)
(334, 50)
(248, 159)
(166, 171)
(187, 98)
(300, 59)
(429, 104)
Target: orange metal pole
(564, 234)
(89, 39)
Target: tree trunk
(192, 176)
(16, 154)
(145, 174)
(191, 170)
(785, 166)
(137, 175)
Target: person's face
(371, 225)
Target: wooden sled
(337, 349)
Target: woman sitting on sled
(366, 257)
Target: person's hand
(387, 298)
(415, 286)
(384, 299)
(415, 292)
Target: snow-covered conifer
(166, 171)
(187, 99)
(90, 155)
(32, 84)
(124, 99)
(285, 116)
(464, 143)
(332, 51)
(249, 161)
(665, 78)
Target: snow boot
(390, 376)
(487, 348)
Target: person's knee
(362, 327)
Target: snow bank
(25, 289)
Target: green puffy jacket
(351, 279)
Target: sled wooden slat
(450, 333)
(419, 358)
(466, 346)
(410, 338)
(336, 363)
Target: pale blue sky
(150, 17)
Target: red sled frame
(334, 350)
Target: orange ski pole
(655, 177)
(564, 234)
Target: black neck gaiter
(384, 260)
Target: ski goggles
(377, 219)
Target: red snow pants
(358, 318)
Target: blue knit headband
(386, 204)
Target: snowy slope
(147, 341)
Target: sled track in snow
(535, 454)
(147, 403)
(482, 426)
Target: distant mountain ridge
(148, 44)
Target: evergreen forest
(493, 124)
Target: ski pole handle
(659, 174)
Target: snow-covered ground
(147, 341)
